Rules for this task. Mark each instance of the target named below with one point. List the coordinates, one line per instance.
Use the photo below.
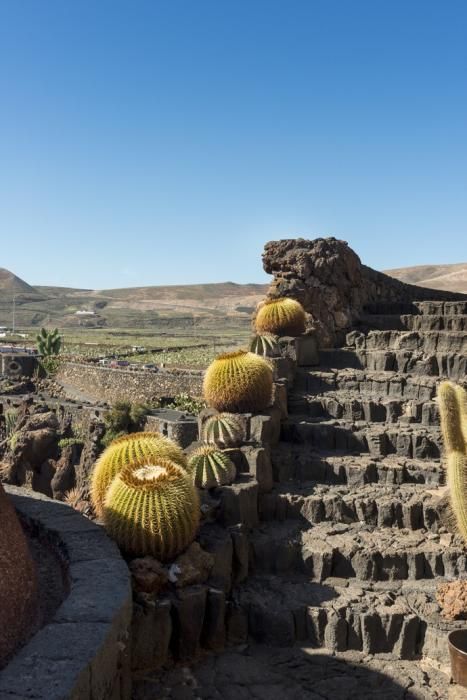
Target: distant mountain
(452, 278)
(155, 306)
(11, 284)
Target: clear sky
(165, 141)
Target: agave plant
(265, 344)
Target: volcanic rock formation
(328, 278)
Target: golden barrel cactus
(223, 429)
(126, 450)
(210, 467)
(152, 507)
(18, 581)
(238, 382)
(453, 410)
(282, 316)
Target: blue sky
(157, 142)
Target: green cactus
(265, 345)
(48, 342)
(238, 382)
(210, 467)
(223, 430)
(282, 316)
(125, 450)
(453, 410)
(11, 418)
(152, 508)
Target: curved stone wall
(84, 652)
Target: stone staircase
(352, 539)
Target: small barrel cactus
(125, 450)
(223, 430)
(282, 316)
(210, 467)
(152, 507)
(265, 344)
(453, 410)
(238, 382)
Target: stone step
(413, 322)
(340, 404)
(430, 342)
(355, 551)
(380, 384)
(379, 618)
(406, 440)
(410, 506)
(413, 362)
(300, 462)
(428, 308)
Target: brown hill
(11, 284)
(452, 278)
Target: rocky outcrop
(18, 589)
(328, 278)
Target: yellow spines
(450, 412)
(239, 382)
(125, 450)
(452, 405)
(210, 467)
(282, 316)
(152, 508)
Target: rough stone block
(214, 632)
(239, 503)
(260, 467)
(188, 610)
(150, 633)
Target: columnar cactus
(49, 342)
(18, 581)
(238, 382)
(223, 430)
(152, 507)
(125, 450)
(453, 409)
(210, 467)
(265, 344)
(282, 316)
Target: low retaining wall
(84, 652)
(104, 384)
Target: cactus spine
(265, 344)
(453, 404)
(210, 467)
(282, 316)
(238, 382)
(152, 508)
(126, 450)
(223, 430)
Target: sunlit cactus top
(282, 316)
(152, 508)
(238, 382)
(125, 451)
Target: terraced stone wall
(328, 278)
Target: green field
(177, 348)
